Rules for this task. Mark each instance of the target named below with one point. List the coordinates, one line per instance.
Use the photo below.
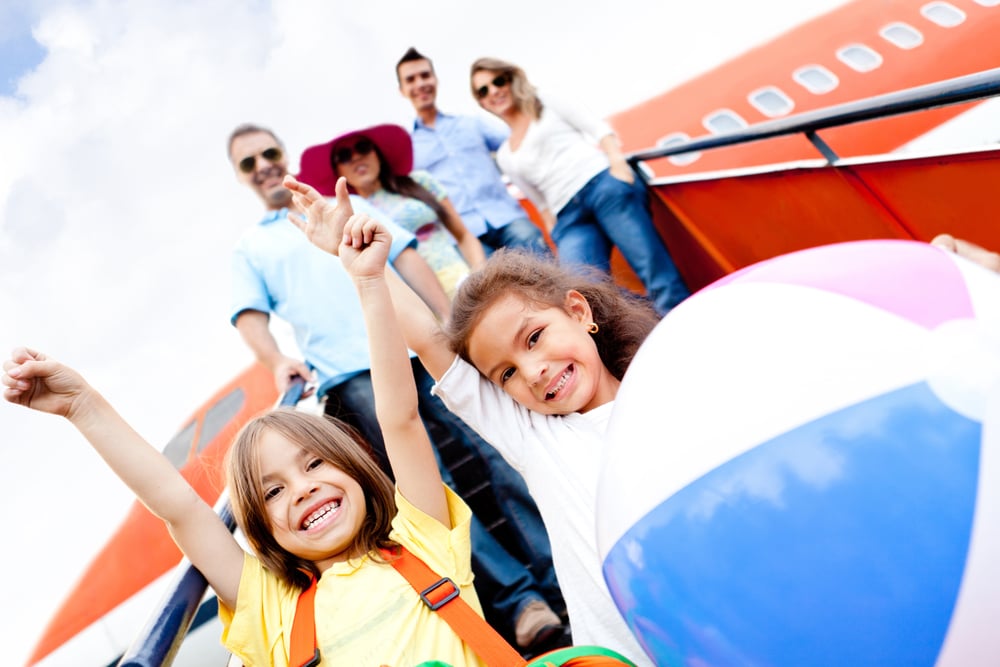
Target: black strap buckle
(434, 606)
(315, 660)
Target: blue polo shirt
(458, 152)
(277, 270)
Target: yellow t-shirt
(366, 612)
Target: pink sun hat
(392, 141)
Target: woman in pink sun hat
(377, 163)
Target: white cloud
(118, 207)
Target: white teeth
(320, 514)
(562, 381)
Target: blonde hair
(337, 444)
(524, 94)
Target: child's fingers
(13, 383)
(946, 241)
(358, 236)
(354, 229)
(22, 354)
(371, 228)
(12, 395)
(32, 368)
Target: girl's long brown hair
(329, 439)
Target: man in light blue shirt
(277, 270)
(458, 152)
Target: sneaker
(536, 625)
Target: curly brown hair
(624, 319)
(331, 440)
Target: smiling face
(543, 357)
(264, 176)
(362, 169)
(499, 99)
(315, 509)
(418, 83)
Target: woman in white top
(569, 165)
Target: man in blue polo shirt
(458, 152)
(277, 270)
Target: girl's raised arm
(324, 224)
(364, 252)
(32, 380)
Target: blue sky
(19, 52)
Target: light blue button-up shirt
(277, 270)
(457, 151)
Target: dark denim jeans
(521, 233)
(606, 212)
(505, 583)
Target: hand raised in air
(364, 247)
(323, 221)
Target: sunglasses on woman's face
(273, 154)
(344, 155)
(499, 81)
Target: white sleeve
(579, 118)
(491, 413)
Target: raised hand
(967, 249)
(324, 221)
(32, 380)
(364, 248)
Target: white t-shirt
(559, 458)
(557, 156)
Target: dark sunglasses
(248, 164)
(343, 155)
(499, 81)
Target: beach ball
(803, 466)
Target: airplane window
(816, 79)
(179, 447)
(723, 120)
(902, 35)
(942, 13)
(771, 101)
(860, 57)
(219, 415)
(673, 139)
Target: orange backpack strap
(304, 652)
(440, 594)
(443, 596)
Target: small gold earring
(592, 328)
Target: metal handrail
(158, 642)
(921, 98)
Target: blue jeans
(505, 583)
(608, 212)
(519, 233)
